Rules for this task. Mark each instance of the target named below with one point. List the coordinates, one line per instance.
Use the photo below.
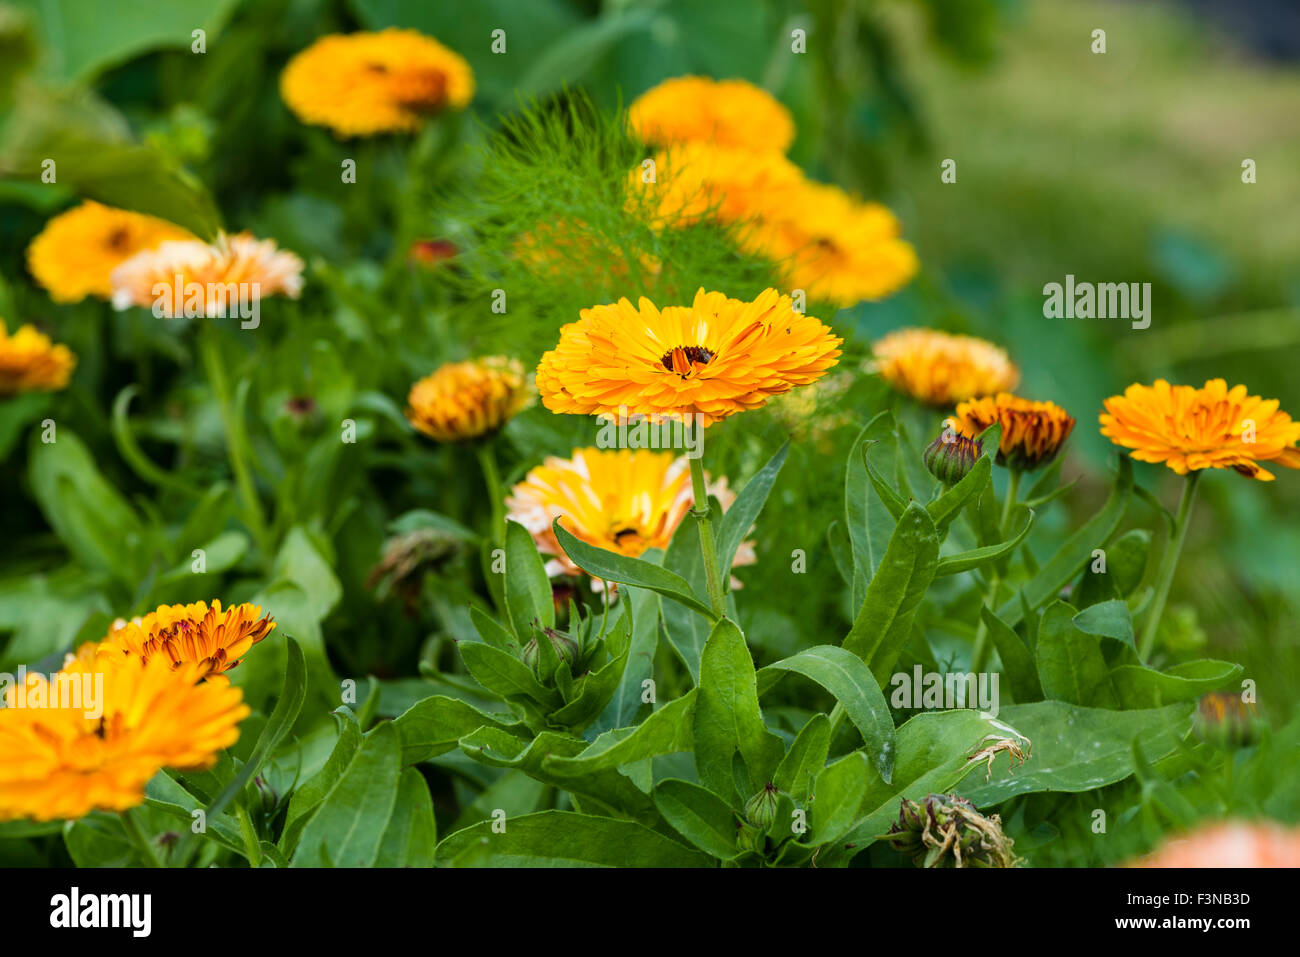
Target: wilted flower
(30, 362)
(206, 280)
(949, 831)
(212, 639)
(464, 400)
(60, 764)
(360, 84)
(1032, 432)
(727, 113)
(706, 361)
(1213, 427)
(75, 254)
(408, 558)
(951, 456)
(941, 369)
(621, 500)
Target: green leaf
(411, 838)
(1074, 554)
(594, 693)
(698, 815)
(728, 721)
(869, 524)
(666, 731)
(1126, 562)
(308, 797)
(433, 725)
(685, 630)
(839, 790)
(493, 632)
(565, 839)
(1108, 619)
(894, 503)
(976, 557)
(1141, 687)
(949, 505)
(1071, 666)
(527, 589)
(504, 674)
(1017, 660)
(884, 621)
(626, 703)
(348, 828)
(848, 678)
(805, 757)
(744, 511)
(630, 571)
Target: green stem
(1168, 565)
(492, 480)
(138, 839)
(210, 350)
(252, 848)
(708, 544)
(1013, 492)
(980, 653)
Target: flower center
(682, 360)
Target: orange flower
(1213, 427)
(212, 639)
(464, 400)
(1032, 432)
(729, 113)
(30, 362)
(1231, 844)
(711, 359)
(941, 369)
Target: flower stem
(980, 653)
(252, 849)
(138, 839)
(708, 544)
(492, 480)
(1013, 492)
(1168, 565)
(210, 352)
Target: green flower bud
(948, 831)
(951, 456)
(565, 648)
(761, 809)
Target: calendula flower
(212, 639)
(360, 84)
(622, 500)
(464, 400)
(60, 764)
(837, 249)
(1229, 844)
(198, 279)
(729, 113)
(1214, 427)
(1032, 432)
(696, 182)
(75, 254)
(942, 369)
(30, 362)
(708, 360)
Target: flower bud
(951, 456)
(565, 648)
(760, 811)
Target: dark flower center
(693, 354)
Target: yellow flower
(941, 369)
(360, 84)
(620, 500)
(77, 251)
(30, 362)
(1213, 427)
(711, 359)
(195, 278)
(463, 400)
(1032, 432)
(696, 182)
(836, 249)
(213, 639)
(60, 764)
(732, 113)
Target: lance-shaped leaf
(867, 519)
(565, 839)
(505, 674)
(948, 506)
(848, 678)
(1142, 687)
(1017, 660)
(1071, 666)
(698, 815)
(432, 726)
(666, 731)
(805, 758)
(600, 563)
(728, 722)
(527, 589)
(975, 557)
(744, 511)
(884, 621)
